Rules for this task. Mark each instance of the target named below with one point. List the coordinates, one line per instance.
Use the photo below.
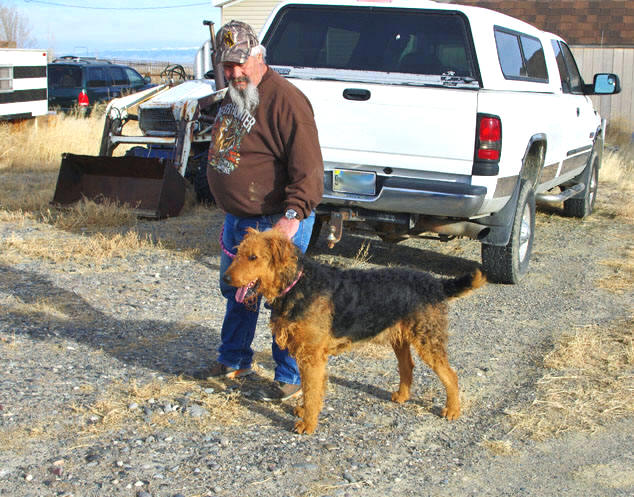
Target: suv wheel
(582, 205)
(509, 263)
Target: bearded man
(265, 170)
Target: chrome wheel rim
(525, 233)
(592, 187)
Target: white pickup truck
(440, 118)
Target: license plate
(359, 182)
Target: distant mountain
(180, 55)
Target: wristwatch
(290, 214)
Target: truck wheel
(509, 263)
(201, 185)
(582, 205)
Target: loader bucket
(153, 188)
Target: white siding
(592, 60)
(253, 12)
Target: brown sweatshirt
(268, 162)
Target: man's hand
(287, 226)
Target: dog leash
(222, 245)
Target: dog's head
(265, 264)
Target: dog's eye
(252, 257)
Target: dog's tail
(457, 287)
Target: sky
(87, 27)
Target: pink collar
(289, 288)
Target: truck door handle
(357, 94)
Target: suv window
(379, 39)
(64, 76)
(96, 77)
(117, 75)
(571, 81)
(521, 56)
(135, 78)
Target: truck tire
(201, 185)
(582, 205)
(509, 263)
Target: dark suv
(99, 80)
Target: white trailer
(23, 83)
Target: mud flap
(501, 223)
(153, 188)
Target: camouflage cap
(234, 42)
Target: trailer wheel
(201, 185)
(509, 264)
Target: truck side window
(521, 56)
(571, 81)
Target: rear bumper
(412, 196)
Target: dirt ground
(96, 345)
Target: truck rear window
(378, 39)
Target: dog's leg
(312, 369)
(405, 369)
(437, 360)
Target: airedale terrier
(319, 310)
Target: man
(265, 171)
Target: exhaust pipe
(218, 74)
(450, 228)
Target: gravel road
(95, 399)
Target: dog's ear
(282, 249)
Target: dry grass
(620, 277)
(618, 168)
(113, 408)
(500, 447)
(591, 383)
(89, 215)
(81, 249)
(29, 147)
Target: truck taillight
(82, 100)
(489, 138)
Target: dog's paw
(451, 413)
(301, 427)
(399, 398)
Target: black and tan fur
(328, 310)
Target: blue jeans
(238, 328)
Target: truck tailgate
(406, 127)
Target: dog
(320, 310)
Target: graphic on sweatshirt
(227, 133)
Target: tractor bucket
(153, 188)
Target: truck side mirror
(606, 84)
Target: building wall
(253, 12)
(592, 60)
(579, 22)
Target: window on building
(6, 78)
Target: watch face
(291, 214)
